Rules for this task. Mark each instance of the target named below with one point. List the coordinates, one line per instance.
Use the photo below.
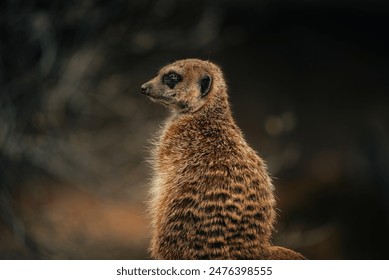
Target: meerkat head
(187, 85)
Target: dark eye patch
(171, 79)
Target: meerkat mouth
(166, 100)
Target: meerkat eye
(205, 85)
(171, 79)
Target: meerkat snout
(145, 89)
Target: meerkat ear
(205, 85)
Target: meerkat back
(212, 197)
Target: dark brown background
(308, 84)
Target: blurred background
(308, 84)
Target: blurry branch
(42, 31)
(68, 85)
(8, 139)
(9, 150)
(53, 155)
(204, 32)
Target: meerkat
(212, 197)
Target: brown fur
(212, 197)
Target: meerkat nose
(145, 88)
